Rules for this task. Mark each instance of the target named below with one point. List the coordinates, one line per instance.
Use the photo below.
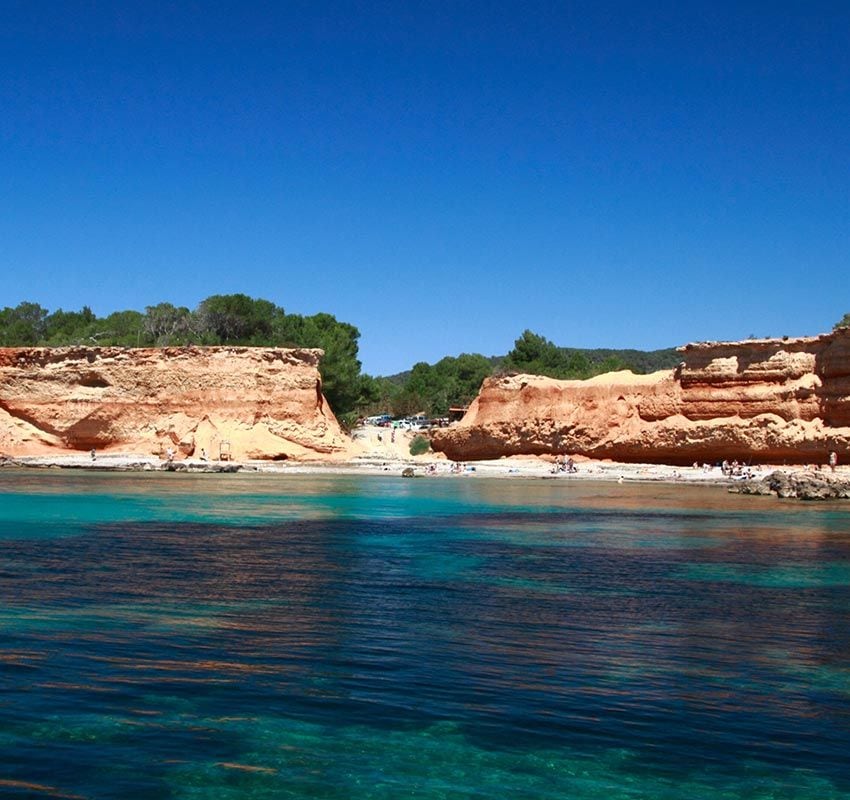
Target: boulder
(803, 485)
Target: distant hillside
(433, 389)
(641, 362)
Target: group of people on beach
(831, 462)
(564, 464)
(735, 469)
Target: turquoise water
(255, 636)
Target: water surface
(253, 636)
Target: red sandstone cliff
(770, 400)
(262, 402)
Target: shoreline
(795, 482)
(510, 467)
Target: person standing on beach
(833, 460)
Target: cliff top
(786, 341)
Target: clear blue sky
(442, 175)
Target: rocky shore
(228, 409)
(802, 485)
(118, 463)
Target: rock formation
(768, 400)
(245, 402)
(805, 485)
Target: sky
(442, 175)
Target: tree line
(234, 319)
(433, 389)
(237, 319)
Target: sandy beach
(382, 454)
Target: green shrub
(419, 445)
(348, 420)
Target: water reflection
(532, 619)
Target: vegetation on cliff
(234, 319)
(433, 389)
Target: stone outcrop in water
(768, 400)
(245, 402)
(806, 485)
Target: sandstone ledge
(240, 402)
(768, 401)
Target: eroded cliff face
(263, 403)
(770, 400)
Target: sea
(332, 636)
